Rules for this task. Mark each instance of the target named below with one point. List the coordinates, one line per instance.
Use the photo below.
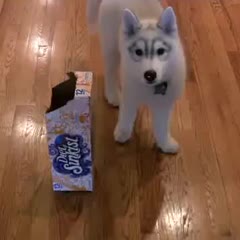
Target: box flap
(78, 84)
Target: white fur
(115, 19)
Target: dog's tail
(92, 14)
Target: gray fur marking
(149, 48)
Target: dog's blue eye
(139, 52)
(160, 51)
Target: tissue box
(68, 123)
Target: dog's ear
(131, 23)
(168, 21)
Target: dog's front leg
(161, 126)
(126, 119)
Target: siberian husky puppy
(141, 38)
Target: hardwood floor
(139, 192)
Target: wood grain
(140, 194)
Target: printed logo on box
(71, 155)
(81, 92)
(57, 186)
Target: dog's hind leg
(109, 43)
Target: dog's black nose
(150, 76)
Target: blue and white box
(69, 134)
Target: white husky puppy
(141, 38)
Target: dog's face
(149, 45)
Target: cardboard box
(68, 123)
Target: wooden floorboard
(139, 193)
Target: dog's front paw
(121, 135)
(171, 146)
(112, 98)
